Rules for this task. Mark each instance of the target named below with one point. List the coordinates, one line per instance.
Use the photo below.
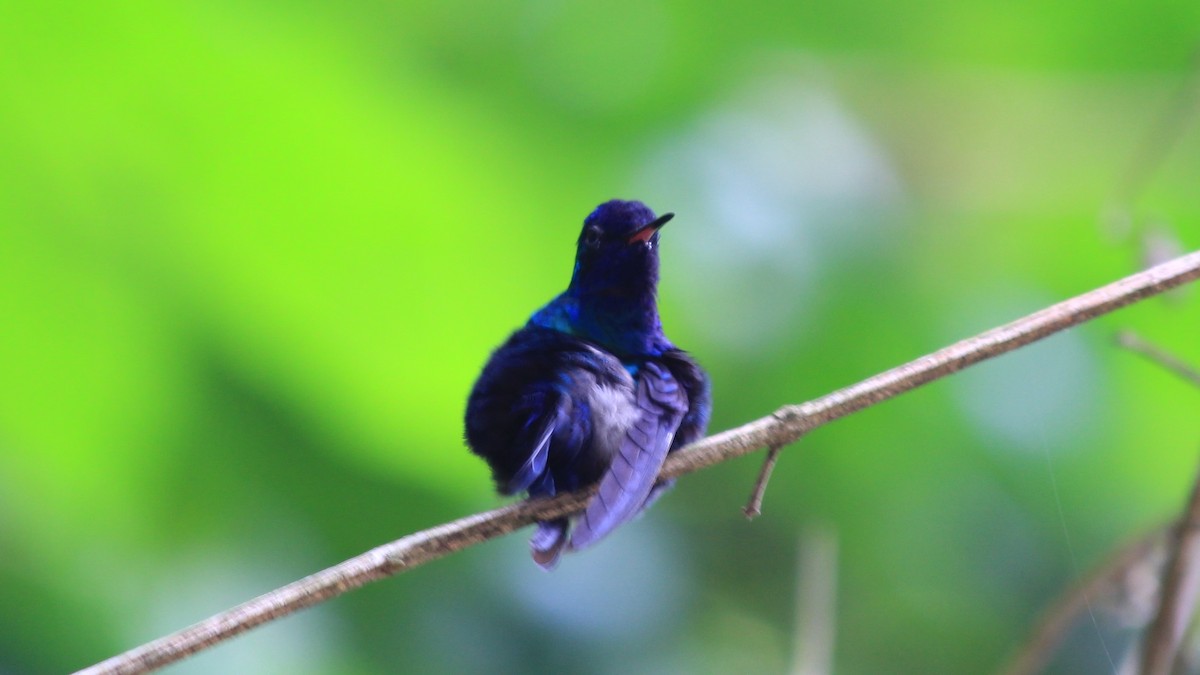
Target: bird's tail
(548, 541)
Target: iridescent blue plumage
(591, 389)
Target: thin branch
(1180, 587)
(753, 508)
(1058, 618)
(781, 428)
(1131, 341)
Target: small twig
(1131, 341)
(1057, 619)
(753, 508)
(1181, 585)
(781, 428)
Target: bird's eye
(591, 237)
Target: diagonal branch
(781, 428)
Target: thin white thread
(1075, 575)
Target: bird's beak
(647, 231)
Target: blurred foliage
(253, 254)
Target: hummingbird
(590, 389)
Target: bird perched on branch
(591, 389)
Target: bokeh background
(253, 254)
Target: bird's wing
(536, 436)
(695, 383)
(661, 404)
(551, 535)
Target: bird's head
(618, 250)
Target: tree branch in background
(816, 603)
(783, 427)
(1130, 340)
(1181, 580)
(1102, 582)
(1177, 601)
(1163, 135)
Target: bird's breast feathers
(613, 411)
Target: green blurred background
(252, 255)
